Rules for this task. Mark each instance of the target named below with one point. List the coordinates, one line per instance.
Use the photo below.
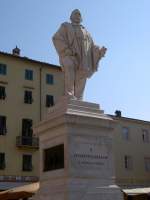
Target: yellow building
(27, 89)
(132, 152)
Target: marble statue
(78, 54)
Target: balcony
(27, 142)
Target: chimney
(118, 113)
(16, 51)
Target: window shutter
(30, 127)
(4, 125)
(49, 100)
(24, 127)
(3, 129)
(2, 92)
(2, 161)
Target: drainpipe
(40, 93)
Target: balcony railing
(31, 142)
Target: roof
(130, 119)
(30, 60)
(20, 192)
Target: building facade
(132, 152)
(27, 89)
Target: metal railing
(26, 141)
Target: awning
(137, 191)
(20, 192)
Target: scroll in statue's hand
(68, 52)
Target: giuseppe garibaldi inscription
(78, 54)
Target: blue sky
(123, 26)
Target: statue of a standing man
(78, 55)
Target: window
(130, 197)
(54, 158)
(147, 164)
(49, 100)
(125, 133)
(28, 97)
(2, 161)
(27, 130)
(2, 92)
(3, 69)
(128, 164)
(145, 136)
(3, 129)
(49, 79)
(29, 74)
(27, 163)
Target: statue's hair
(73, 12)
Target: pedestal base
(85, 133)
(78, 190)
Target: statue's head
(76, 16)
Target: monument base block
(76, 156)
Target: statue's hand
(102, 51)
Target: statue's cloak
(84, 51)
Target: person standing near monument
(78, 54)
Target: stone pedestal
(79, 135)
